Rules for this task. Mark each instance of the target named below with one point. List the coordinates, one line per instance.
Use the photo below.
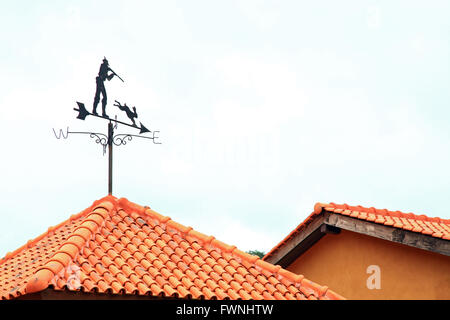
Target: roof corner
(318, 207)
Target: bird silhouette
(130, 114)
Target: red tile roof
(434, 227)
(118, 247)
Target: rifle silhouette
(114, 73)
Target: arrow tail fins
(82, 112)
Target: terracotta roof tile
(434, 227)
(118, 247)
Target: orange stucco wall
(341, 262)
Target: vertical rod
(110, 156)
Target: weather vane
(107, 141)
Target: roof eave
(325, 222)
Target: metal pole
(110, 154)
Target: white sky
(264, 108)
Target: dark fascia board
(299, 243)
(331, 223)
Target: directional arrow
(83, 113)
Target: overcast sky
(264, 108)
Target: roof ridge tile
(268, 266)
(383, 212)
(126, 204)
(246, 256)
(222, 246)
(42, 277)
(43, 235)
(33, 241)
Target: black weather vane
(107, 141)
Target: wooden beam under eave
(409, 238)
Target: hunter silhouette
(130, 114)
(102, 76)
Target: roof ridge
(69, 249)
(320, 291)
(50, 229)
(383, 212)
